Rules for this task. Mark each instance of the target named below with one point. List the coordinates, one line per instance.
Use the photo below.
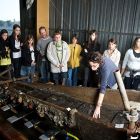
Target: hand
(21, 44)
(85, 50)
(61, 65)
(96, 113)
(33, 63)
(57, 66)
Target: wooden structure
(53, 101)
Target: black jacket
(26, 59)
(3, 45)
(12, 45)
(95, 47)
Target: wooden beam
(42, 14)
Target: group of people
(65, 64)
(15, 52)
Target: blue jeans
(26, 71)
(44, 70)
(72, 76)
(60, 78)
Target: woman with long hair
(15, 46)
(28, 58)
(131, 66)
(91, 46)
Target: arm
(50, 57)
(104, 54)
(38, 46)
(104, 77)
(67, 55)
(96, 113)
(125, 61)
(12, 45)
(80, 49)
(117, 60)
(84, 52)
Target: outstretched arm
(96, 113)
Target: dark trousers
(86, 76)
(132, 83)
(17, 67)
(60, 78)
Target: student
(5, 59)
(131, 66)
(28, 58)
(58, 54)
(74, 62)
(106, 68)
(15, 46)
(44, 64)
(112, 51)
(91, 46)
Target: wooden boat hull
(58, 98)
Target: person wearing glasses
(106, 68)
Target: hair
(112, 40)
(42, 27)
(57, 32)
(75, 36)
(3, 31)
(95, 57)
(16, 26)
(28, 37)
(90, 33)
(13, 33)
(134, 46)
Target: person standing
(58, 54)
(74, 62)
(28, 58)
(5, 60)
(131, 66)
(91, 46)
(15, 46)
(42, 45)
(112, 51)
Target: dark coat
(26, 59)
(95, 47)
(3, 45)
